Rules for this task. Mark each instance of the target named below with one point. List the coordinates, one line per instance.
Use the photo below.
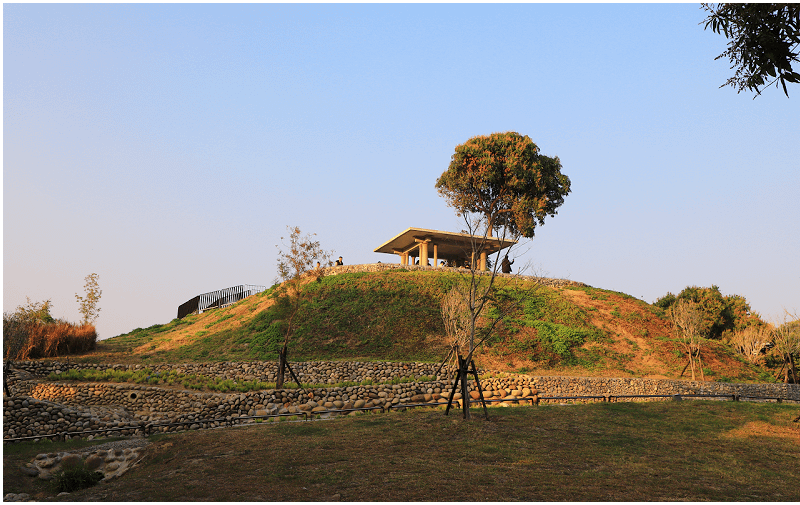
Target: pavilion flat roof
(449, 244)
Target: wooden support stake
(480, 390)
(452, 393)
(291, 372)
(445, 360)
(281, 368)
(461, 378)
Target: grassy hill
(394, 315)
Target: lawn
(655, 451)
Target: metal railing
(535, 400)
(218, 299)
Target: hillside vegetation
(31, 332)
(395, 315)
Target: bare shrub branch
(751, 340)
(687, 320)
(786, 338)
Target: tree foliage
(35, 311)
(88, 304)
(720, 316)
(763, 41)
(503, 177)
(294, 263)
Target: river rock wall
(309, 372)
(48, 408)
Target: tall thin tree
(297, 266)
(88, 304)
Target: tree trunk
(791, 373)
(464, 386)
(700, 366)
(281, 368)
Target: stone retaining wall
(309, 372)
(576, 386)
(51, 407)
(320, 372)
(25, 417)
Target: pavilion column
(472, 261)
(435, 255)
(404, 259)
(423, 254)
(483, 261)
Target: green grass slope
(395, 315)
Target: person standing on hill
(506, 265)
(339, 262)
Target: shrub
(666, 301)
(75, 478)
(31, 339)
(721, 315)
(750, 341)
(559, 339)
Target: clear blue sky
(167, 147)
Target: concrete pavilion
(456, 248)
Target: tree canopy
(720, 316)
(763, 42)
(504, 177)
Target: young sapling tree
(687, 321)
(88, 304)
(300, 261)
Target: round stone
(93, 462)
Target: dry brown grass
(55, 339)
(651, 451)
(186, 334)
(753, 429)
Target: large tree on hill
(763, 41)
(503, 177)
(497, 183)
